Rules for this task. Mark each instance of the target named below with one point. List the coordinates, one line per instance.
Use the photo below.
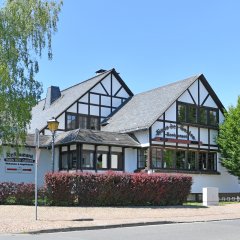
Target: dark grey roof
(44, 140)
(145, 108)
(86, 136)
(40, 116)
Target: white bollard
(210, 196)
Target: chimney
(100, 71)
(53, 93)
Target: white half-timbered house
(104, 126)
(177, 125)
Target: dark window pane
(191, 165)
(202, 161)
(82, 122)
(203, 116)
(142, 158)
(168, 158)
(156, 157)
(64, 158)
(182, 113)
(71, 121)
(87, 159)
(192, 114)
(102, 160)
(94, 123)
(212, 117)
(73, 159)
(212, 161)
(180, 159)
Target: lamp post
(53, 126)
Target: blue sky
(150, 42)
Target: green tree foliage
(229, 140)
(26, 29)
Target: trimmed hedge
(17, 193)
(117, 189)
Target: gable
(90, 92)
(201, 93)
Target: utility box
(210, 196)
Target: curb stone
(123, 225)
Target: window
(191, 163)
(74, 121)
(116, 161)
(184, 160)
(182, 112)
(71, 121)
(156, 157)
(212, 161)
(180, 159)
(202, 161)
(68, 157)
(102, 157)
(142, 158)
(87, 159)
(82, 122)
(64, 158)
(213, 117)
(192, 114)
(203, 116)
(94, 123)
(102, 160)
(168, 158)
(73, 157)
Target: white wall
(170, 114)
(143, 137)
(225, 182)
(130, 159)
(9, 174)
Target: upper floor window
(182, 113)
(71, 121)
(74, 121)
(212, 117)
(190, 113)
(203, 116)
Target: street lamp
(53, 126)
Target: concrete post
(210, 196)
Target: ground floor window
(68, 157)
(116, 158)
(142, 157)
(86, 156)
(156, 156)
(179, 159)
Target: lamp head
(52, 124)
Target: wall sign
(170, 134)
(19, 163)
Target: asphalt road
(219, 230)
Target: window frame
(77, 121)
(198, 109)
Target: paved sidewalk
(21, 219)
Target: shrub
(25, 193)
(117, 189)
(7, 189)
(59, 188)
(16, 193)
